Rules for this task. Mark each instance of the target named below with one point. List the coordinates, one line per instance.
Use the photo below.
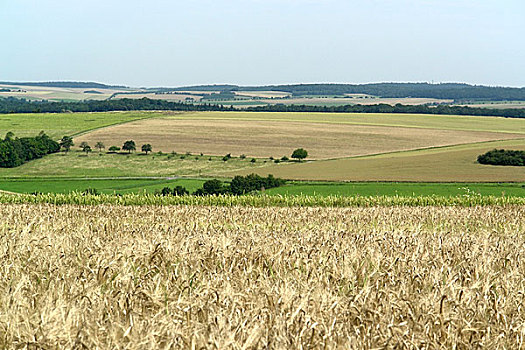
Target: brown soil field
(278, 138)
(184, 277)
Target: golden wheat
(148, 277)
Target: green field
(57, 125)
(78, 164)
(398, 189)
(367, 189)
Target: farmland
(325, 135)
(344, 146)
(112, 276)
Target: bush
(212, 187)
(242, 156)
(92, 191)
(284, 159)
(253, 160)
(299, 154)
(113, 149)
(503, 157)
(176, 191)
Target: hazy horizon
(255, 42)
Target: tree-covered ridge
(65, 84)
(16, 151)
(14, 105)
(452, 91)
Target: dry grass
(241, 278)
(278, 138)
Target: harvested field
(448, 164)
(238, 277)
(267, 138)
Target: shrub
(299, 154)
(114, 149)
(503, 157)
(253, 160)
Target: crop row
(132, 199)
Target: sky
(257, 42)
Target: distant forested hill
(14, 105)
(65, 84)
(452, 91)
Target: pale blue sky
(173, 43)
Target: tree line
(14, 105)
(16, 151)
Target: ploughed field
(242, 277)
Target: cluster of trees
(14, 105)
(16, 151)
(238, 186)
(129, 146)
(503, 157)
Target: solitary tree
(129, 146)
(299, 154)
(84, 145)
(86, 149)
(100, 146)
(147, 148)
(66, 143)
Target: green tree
(100, 146)
(66, 143)
(129, 146)
(84, 145)
(114, 149)
(147, 148)
(300, 154)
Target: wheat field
(148, 277)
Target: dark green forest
(16, 151)
(452, 91)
